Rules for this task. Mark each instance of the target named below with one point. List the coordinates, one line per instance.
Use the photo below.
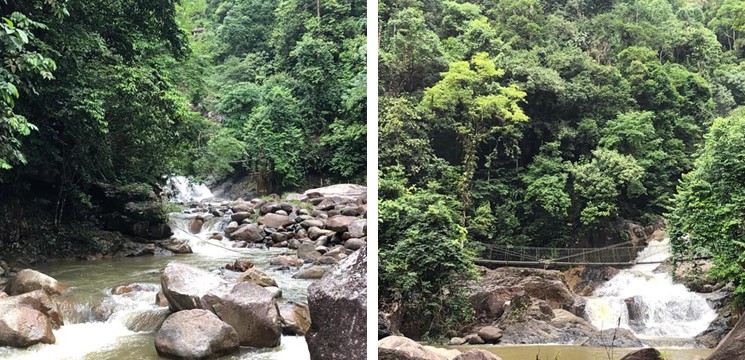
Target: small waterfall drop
(183, 190)
(649, 304)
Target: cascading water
(101, 325)
(648, 303)
(183, 190)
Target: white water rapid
(102, 326)
(183, 190)
(659, 307)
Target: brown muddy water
(573, 352)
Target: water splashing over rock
(648, 303)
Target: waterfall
(183, 190)
(649, 304)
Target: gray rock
(250, 233)
(312, 223)
(195, 334)
(314, 233)
(28, 280)
(311, 273)
(240, 216)
(308, 252)
(357, 228)
(354, 244)
(251, 311)
(184, 285)
(338, 308)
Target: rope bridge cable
(618, 254)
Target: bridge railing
(618, 254)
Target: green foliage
(707, 216)
(255, 52)
(618, 93)
(20, 66)
(624, 86)
(423, 259)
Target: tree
(709, 207)
(274, 136)
(471, 101)
(423, 262)
(20, 65)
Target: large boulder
(401, 348)
(584, 280)
(184, 286)
(733, 345)
(490, 334)
(295, 318)
(643, 354)
(23, 326)
(275, 220)
(195, 334)
(257, 277)
(338, 309)
(497, 287)
(249, 233)
(477, 354)
(340, 190)
(339, 223)
(617, 337)
(38, 300)
(251, 310)
(29, 280)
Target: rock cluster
(30, 313)
(242, 311)
(522, 306)
(401, 348)
(322, 219)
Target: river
(572, 352)
(128, 333)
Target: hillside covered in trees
(543, 123)
(115, 96)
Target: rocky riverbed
(226, 262)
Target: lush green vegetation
(130, 92)
(286, 79)
(549, 121)
(708, 215)
(108, 91)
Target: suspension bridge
(619, 255)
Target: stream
(129, 331)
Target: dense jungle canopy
(553, 123)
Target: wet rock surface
(23, 326)
(28, 280)
(338, 309)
